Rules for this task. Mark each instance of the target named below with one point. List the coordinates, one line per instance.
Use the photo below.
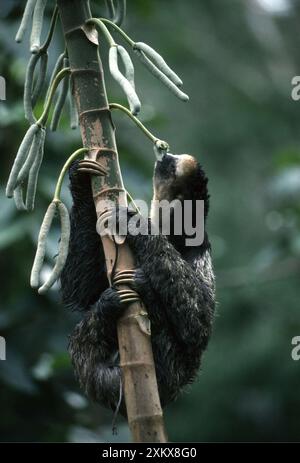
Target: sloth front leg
(93, 348)
(185, 296)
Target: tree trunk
(98, 134)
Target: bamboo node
(107, 191)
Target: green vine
(66, 166)
(163, 144)
(107, 34)
(119, 30)
(43, 119)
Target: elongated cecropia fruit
(41, 79)
(20, 159)
(63, 93)
(26, 19)
(120, 12)
(37, 24)
(34, 173)
(28, 107)
(133, 100)
(158, 60)
(128, 65)
(32, 154)
(41, 248)
(57, 67)
(110, 8)
(18, 198)
(161, 76)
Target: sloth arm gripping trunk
(97, 130)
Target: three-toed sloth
(174, 280)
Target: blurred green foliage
(237, 60)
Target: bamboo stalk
(144, 411)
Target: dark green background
(237, 61)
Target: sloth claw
(125, 277)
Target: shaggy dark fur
(175, 282)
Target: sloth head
(180, 177)
(176, 179)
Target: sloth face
(174, 177)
